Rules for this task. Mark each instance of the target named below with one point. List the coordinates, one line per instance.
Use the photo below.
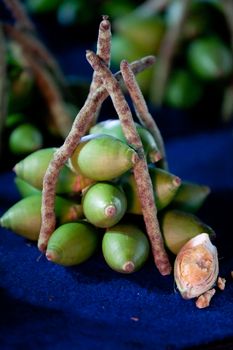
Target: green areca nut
(24, 217)
(25, 138)
(178, 227)
(125, 248)
(102, 157)
(183, 90)
(190, 196)
(72, 243)
(164, 185)
(24, 188)
(104, 204)
(33, 167)
(20, 91)
(210, 58)
(113, 127)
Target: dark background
(91, 306)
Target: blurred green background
(190, 87)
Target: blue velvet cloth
(46, 306)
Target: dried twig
(104, 51)
(32, 44)
(20, 15)
(79, 128)
(142, 111)
(3, 84)
(166, 54)
(227, 103)
(141, 174)
(52, 95)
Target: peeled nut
(196, 267)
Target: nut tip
(52, 255)
(128, 267)
(110, 211)
(155, 156)
(176, 181)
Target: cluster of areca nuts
(96, 192)
(110, 181)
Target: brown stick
(141, 174)
(166, 54)
(103, 50)
(137, 66)
(141, 109)
(3, 84)
(52, 96)
(33, 45)
(80, 126)
(19, 13)
(146, 10)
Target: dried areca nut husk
(164, 185)
(125, 247)
(104, 204)
(72, 243)
(113, 127)
(190, 196)
(102, 157)
(196, 267)
(178, 227)
(24, 217)
(32, 169)
(24, 188)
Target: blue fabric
(43, 305)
